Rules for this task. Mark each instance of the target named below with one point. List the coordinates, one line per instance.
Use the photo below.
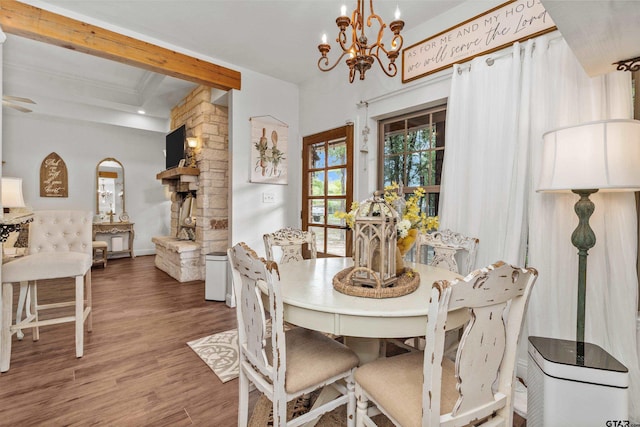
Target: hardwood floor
(137, 369)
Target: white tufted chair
(59, 247)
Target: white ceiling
(598, 32)
(273, 37)
(276, 38)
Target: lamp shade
(192, 142)
(12, 193)
(602, 155)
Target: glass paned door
(327, 188)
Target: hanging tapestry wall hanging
(268, 150)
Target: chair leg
(89, 304)
(5, 327)
(33, 291)
(351, 402)
(416, 342)
(79, 316)
(279, 410)
(243, 399)
(24, 287)
(362, 404)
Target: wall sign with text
(53, 177)
(516, 20)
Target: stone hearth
(184, 260)
(180, 259)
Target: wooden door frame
(345, 132)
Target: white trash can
(217, 276)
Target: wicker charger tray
(407, 282)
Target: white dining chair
(450, 250)
(291, 242)
(285, 365)
(443, 249)
(59, 247)
(427, 389)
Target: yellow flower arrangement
(411, 221)
(349, 217)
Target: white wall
(251, 218)
(28, 138)
(322, 109)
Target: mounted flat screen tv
(176, 140)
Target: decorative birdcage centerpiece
(375, 240)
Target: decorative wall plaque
(495, 29)
(269, 154)
(53, 177)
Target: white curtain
(496, 117)
(485, 165)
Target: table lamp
(12, 193)
(602, 155)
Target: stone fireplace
(208, 183)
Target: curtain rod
(506, 52)
(440, 77)
(434, 79)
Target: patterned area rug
(220, 353)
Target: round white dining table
(311, 301)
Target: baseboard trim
(144, 251)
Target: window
(327, 188)
(413, 150)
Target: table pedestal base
(367, 349)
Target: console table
(116, 228)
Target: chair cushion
(395, 383)
(312, 358)
(46, 265)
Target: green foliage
(411, 160)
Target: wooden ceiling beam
(38, 24)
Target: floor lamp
(584, 159)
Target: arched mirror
(110, 194)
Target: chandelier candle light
(362, 54)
